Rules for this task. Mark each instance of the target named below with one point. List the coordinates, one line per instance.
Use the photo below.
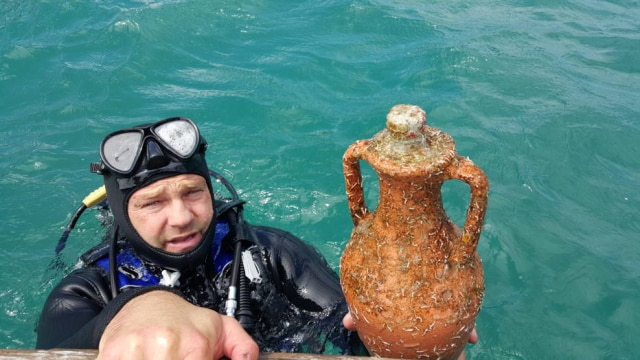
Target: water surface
(543, 95)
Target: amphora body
(412, 278)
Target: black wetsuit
(297, 303)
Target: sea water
(542, 95)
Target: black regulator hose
(90, 200)
(113, 271)
(244, 315)
(226, 183)
(67, 230)
(238, 304)
(231, 305)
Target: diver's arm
(72, 306)
(308, 281)
(78, 310)
(300, 270)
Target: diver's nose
(181, 215)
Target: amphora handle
(353, 181)
(465, 170)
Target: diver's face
(172, 214)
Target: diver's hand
(349, 324)
(473, 339)
(162, 325)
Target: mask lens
(120, 151)
(180, 135)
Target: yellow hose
(95, 197)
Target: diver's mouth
(180, 244)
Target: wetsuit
(296, 302)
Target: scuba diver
(181, 274)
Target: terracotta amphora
(413, 280)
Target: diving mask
(120, 151)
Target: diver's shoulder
(87, 282)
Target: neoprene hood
(156, 162)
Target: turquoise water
(543, 95)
